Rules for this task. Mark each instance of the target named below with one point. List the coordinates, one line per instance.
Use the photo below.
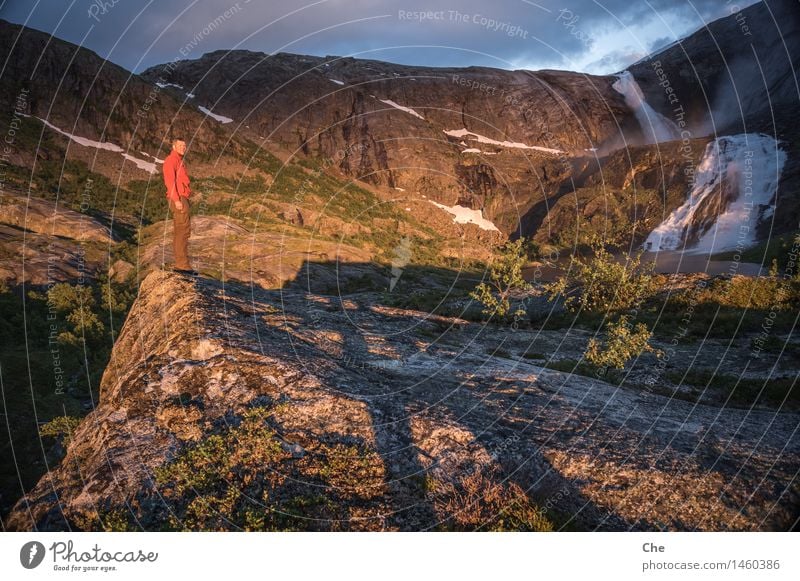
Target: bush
(77, 302)
(603, 284)
(245, 477)
(761, 293)
(64, 297)
(505, 275)
(60, 427)
(623, 342)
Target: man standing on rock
(177, 181)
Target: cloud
(614, 61)
(660, 43)
(505, 34)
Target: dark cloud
(583, 35)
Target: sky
(580, 35)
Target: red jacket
(175, 177)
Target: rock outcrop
(45, 217)
(42, 242)
(448, 435)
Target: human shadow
(398, 400)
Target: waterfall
(734, 188)
(655, 127)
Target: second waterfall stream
(734, 188)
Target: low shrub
(601, 283)
(505, 276)
(623, 342)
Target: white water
(655, 127)
(750, 164)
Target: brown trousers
(181, 226)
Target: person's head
(179, 146)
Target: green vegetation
(742, 390)
(73, 183)
(505, 276)
(600, 285)
(242, 477)
(60, 427)
(623, 342)
(586, 369)
(620, 216)
(777, 250)
(603, 284)
(54, 346)
(747, 292)
(484, 502)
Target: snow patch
(84, 141)
(220, 118)
(335, 81)
(105, 145)
(406, 109)
(148, 166)
(165, 85)
(462, 215)
(482, 139)
(743, 172)
(153, 157)
(190, 95)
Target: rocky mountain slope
(469, 136)
(73, 88)
(491, 140)
(547, 154)
(737, 75)
(431, 429)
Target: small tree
(623, 342)
(505, 275)
(603, 283)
